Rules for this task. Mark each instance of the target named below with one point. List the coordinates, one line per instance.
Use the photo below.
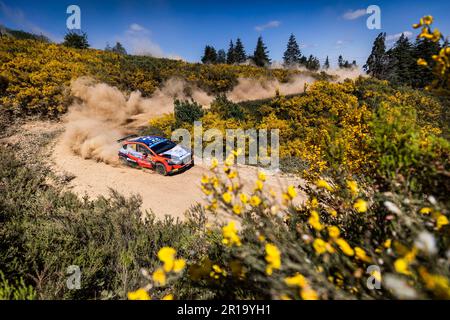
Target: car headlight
(173, 161)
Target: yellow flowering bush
(441, 68)
(331, 246)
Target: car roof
(150, 141)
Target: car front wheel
(161, 169)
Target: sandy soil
(170, 195)
(163, 195)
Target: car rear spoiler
(127, 137)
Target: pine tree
(261, 55)
(118, 48)
(401, 62)
(376, 64)
(340, 62)
(76, 40)
(313, 63)
(210, 55)
(221, 56)
(292, 55)
(326, 65)
(108, 47)
(424, 48)
(231, 56)
(239, 52)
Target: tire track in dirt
(163, 195)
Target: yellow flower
(229, 161)
(298, 280)
(227, 197)
(422, 62)
(314, 220)
(159, 276)
(332, 212)
(261, 176)
(232, 174)
(314, 202)
(255, 201)
(320, 246)
(237, 209)
(309, 294)
(426, 210)
(259, 185)
(329, 248)
(230, 236)
(345, 247)
(205, 179)
(178, 265)
(214, 163)
(168, 297)
(361, 254)
(291, 192)
(427, 20)
(436, 282)
(402, 266)
(243, 197)
(140, 294)
(167, 255)
(333, 232)
(324, 185)
(376, 274)
(237, 152)
(441, 221)
(352, 186)
(387, 243)
(273, 258)
(360, 205)
(218, 270)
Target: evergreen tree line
(292, 57)
(399, 63)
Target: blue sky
(173, 28)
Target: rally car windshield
(163, 146)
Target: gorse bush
(36, 74)
(364, 127)
(44, 231)
(348, 240)
(370, 222)
(187, 111)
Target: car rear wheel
(161, 169)
(124, 161)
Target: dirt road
(163, 195)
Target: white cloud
(354, 14)
(138, 39)
(340, 43)
(268, 25)
(136, 28)
(18, 17)
(395, 37)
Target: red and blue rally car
(154, 152)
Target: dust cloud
(102, 114)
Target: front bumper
(181, 167)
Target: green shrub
(17, 290)
(44, 230)
(187, 111)
(226, 108)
